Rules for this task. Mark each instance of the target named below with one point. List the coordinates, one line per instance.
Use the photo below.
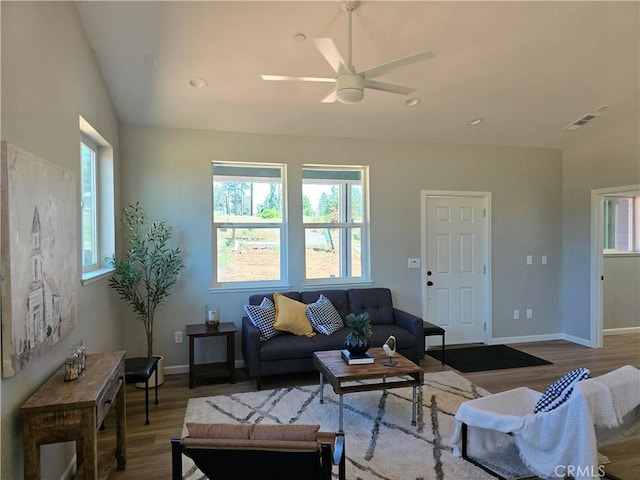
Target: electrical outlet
(413, 263)
(516, 314)
(529, 259)
(544, 259)
(529, 313)
(178, 337)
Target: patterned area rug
(381, 443)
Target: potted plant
(148, 270)
(357, 341)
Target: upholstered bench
(431, 329)
(269, 452)
(140, 369)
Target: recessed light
(413, 101)
(475, 121)
(299, 37)
(198, 82)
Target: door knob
(429, 283)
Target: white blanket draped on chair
(549, 442)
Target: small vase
(356, 344)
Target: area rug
(381, 443)
(486, 357)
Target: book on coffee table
(352, 359)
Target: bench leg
(442, 348)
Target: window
(97, 228)
(335, 218)
(621, 224)
(248, 223)
(88, 204)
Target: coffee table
(344, 377)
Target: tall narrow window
(89, 205)
(335, 217)
(97, 203)
(249, 223)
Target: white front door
(455, 284)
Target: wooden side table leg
(191, 362)
(121, 428)
(231, 356)
(89, 448)
(31, 456)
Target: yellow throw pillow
(291, 316)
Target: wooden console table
(62, 411)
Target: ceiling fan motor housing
(350, 88)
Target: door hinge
(484, 269)
(484, 212)
(485, 327)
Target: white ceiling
(528, 68)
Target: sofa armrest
(414, 325)
(251, 347)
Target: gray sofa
(287, 353)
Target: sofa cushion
(376, 302)
(324, 317)
(291, 316)
(335, 341)
(257, 299)
(263, 316)
(286, 347)
(338, 298)
(404, 338)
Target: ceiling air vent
(581, 122)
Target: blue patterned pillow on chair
(324, 317)
(559, 391)
(263, 316)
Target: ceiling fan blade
(331, 54)
(298, 79)
(388, 87)
(331, 98)
(386, 67)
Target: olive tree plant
(148, 269)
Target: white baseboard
(621, 331)
(176, 369)
(530, 338)
(580, 341)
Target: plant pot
(356, 344)
(158, 375)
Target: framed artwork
(39, 256)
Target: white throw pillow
(324, 317)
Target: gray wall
(169, 170)
(621, 301)
(49, 77)
(599, 158)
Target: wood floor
(149, 451)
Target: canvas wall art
(39, 256)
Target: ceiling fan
(350, 84)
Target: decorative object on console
(144, 276)
(389, 348)
(357, 341)
(39, 257)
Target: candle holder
(212, 319)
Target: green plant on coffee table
(357, 341)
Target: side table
(210, 370)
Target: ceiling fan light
(349, 95)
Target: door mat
(487, 357)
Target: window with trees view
(88, 205)
(335, 222)
(621, 224)
(248, 223)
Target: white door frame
(486, 203)
(597, 260)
